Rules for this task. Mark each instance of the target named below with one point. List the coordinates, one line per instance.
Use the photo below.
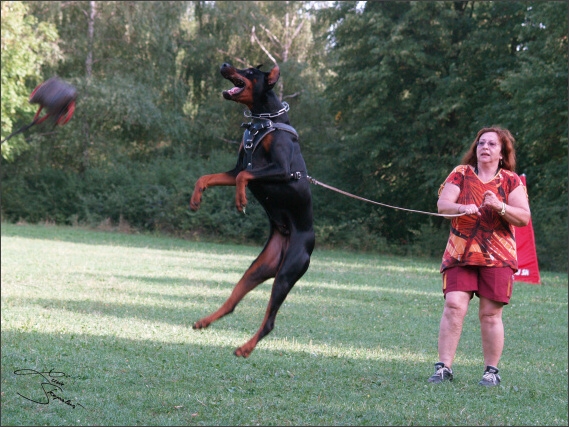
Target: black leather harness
(255, 132)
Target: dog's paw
(194, 205)
(240, 202)
(196, 199)
(200, 324)
(242, 352)
(242, 208)
(246, 349)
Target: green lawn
(354, 342)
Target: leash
(249, 138)
(22, 129)
(337, 190)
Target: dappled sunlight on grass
(372, 266)
(86, 326)
(353, 342)
(369, 288)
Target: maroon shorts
(494, 283)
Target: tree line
(386, 97)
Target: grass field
(354, 342)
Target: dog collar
(286, 107)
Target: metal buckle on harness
(296, 175)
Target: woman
(480, 257)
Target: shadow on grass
(248, 252)
(128, 382)
(117, 381)
(366, 291)
(122, 381)
(183, 316)
(97, 237)
(180, 310)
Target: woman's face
(489, 149)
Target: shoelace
(489, 376)
(441, 372)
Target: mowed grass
(354, 342)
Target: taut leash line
(337, 190)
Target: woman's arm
(516, 211)
(447, 202)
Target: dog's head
(249, 84)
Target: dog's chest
(257, 141)
(251, 143)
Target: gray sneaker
(442, 373)
(490, 377)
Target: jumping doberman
(271, 166)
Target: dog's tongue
(233, 91)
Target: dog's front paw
(246, 349)
(194, 204)
(200, 324)
(241, 200)
(199, 188)
(242, 352)
(240, 191)
(196, 199)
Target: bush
(550, 230)
(148, 196)
(154, 196)
(49, 195)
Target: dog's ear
(273, 76)
(259, 66)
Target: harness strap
(286, 128)
(255, 132)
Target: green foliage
(386, 97)
(537, 105)
(406, 109)
(152, 196)
(47, 195)
(26, 45)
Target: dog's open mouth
(239, 86)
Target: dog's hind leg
(295, 264)
(263, 268)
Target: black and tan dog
(271, 166)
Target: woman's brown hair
(507, 142)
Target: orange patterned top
(486, 240)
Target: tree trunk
(89, 73)
(90, 34)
